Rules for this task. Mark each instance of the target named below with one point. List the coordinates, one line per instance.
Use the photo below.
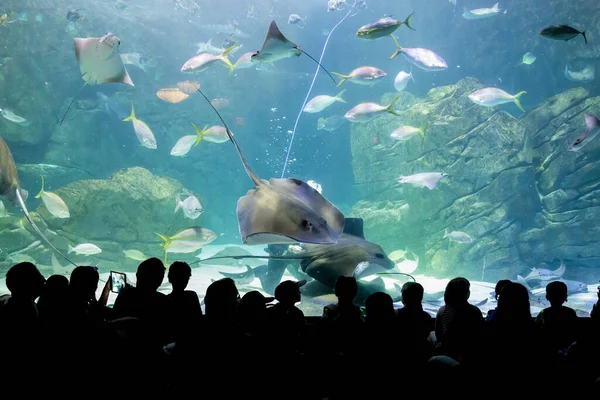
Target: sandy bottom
(204, 274)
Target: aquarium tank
(444, 138)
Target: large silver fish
(423, 58)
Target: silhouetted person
(458, 324)
(53, 305)
(20, 328)
(186, 305)
(497, 290)
(344, 311)
(153, 309)
(558, 323)
(414, 324)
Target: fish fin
(518, 102)
(411, 75)
(407, 21)
(584, 37)
(390, 106)
(132, 115)
(166, 240)
(224, 56)
(339, 96)
(398, 48)
(343, 78)
(200, 133)
(37, 230)
(496, 7)
(37, 196)
(177, 203)
(24, 194)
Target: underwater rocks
(485, 154)
(120, 213)
(567, 183)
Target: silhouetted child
(499, 285)
(186, 305)
(285, 313)
(344, 310)
(558, 322)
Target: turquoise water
(512, 186)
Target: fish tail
(166, 240)
(37, 196)
(177, 204)
(70, 249)
(200, 133)
(224, 56)
(445, 233)
(339, 96)
(132, 115)
(390, 106)
(518, 102)
(584, 37)
(422, 129)
(398, 48)
(343, 78)
(407, 22)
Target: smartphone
(117, 281)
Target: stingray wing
(99, 62)
(275, 43)
(257, 219)
(271, 214)
(311, 198)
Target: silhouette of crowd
(59, 339)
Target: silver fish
(190, 206)
(480, 13)
(489, 97)
(423, 58)
(365, 112)
(362, 76)
(423, 179)
(458, 236)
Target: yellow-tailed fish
(54, 204)
(142, 131)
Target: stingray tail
(71, 103)
(319, 64)
(37, 230)
(249, 171)
(266, 256)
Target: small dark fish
(73, 15)
(561, 32)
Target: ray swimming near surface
(99, 62)
(277, 47)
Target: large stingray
(352, 255)
(99, 62)
(283, 210)
(10, 189)
(277, 47)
